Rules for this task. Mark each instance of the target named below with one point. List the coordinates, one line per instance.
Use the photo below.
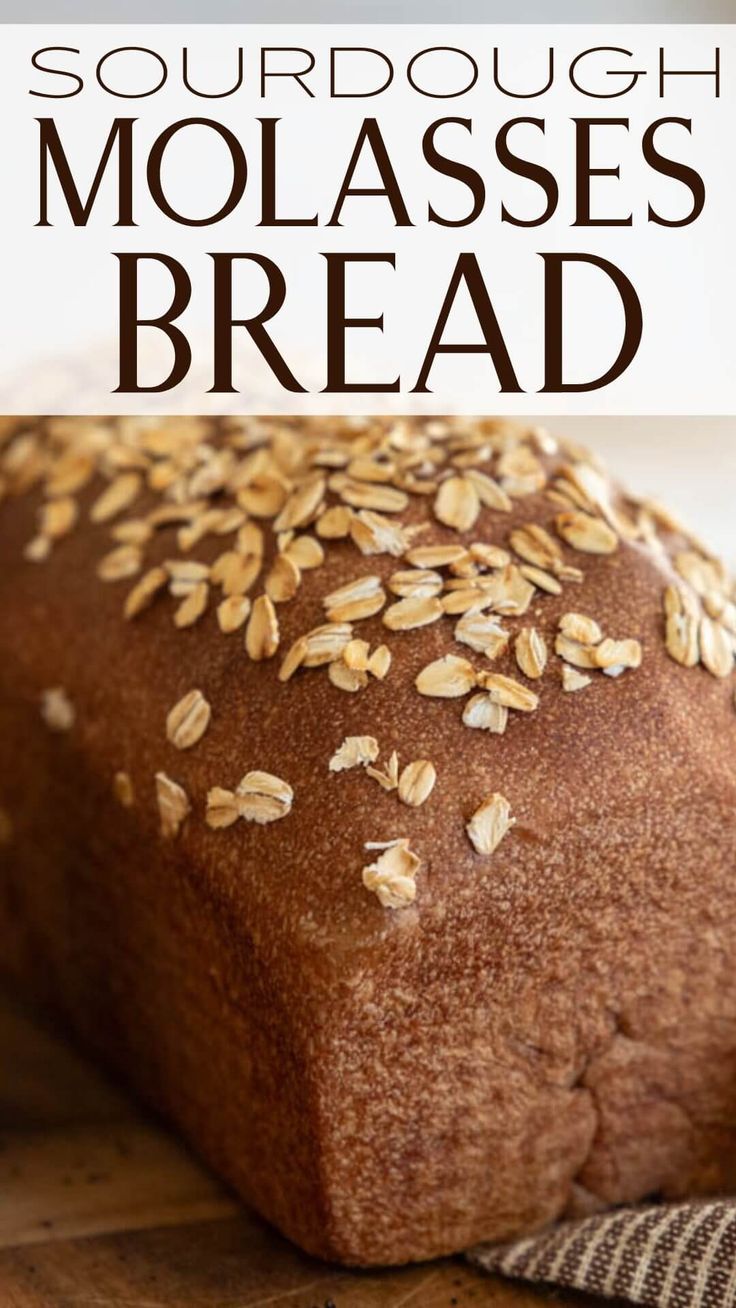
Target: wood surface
(101, 1206)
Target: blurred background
(368, 11)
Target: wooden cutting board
(101, 1207)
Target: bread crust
(540, 1032)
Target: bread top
(283, 645)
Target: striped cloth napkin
(661, 1255)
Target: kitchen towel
(679, 1255)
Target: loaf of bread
(368, 801)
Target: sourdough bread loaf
(368, 801)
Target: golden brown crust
(547, 1027)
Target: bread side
(530, 1031)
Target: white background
(59, 303)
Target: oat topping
(416, 782)
(531, 652)
(250, 540)
(489, 824)
(132, 531)
(263, 797)
(185, 574)
(520, 471)
(122, 789)
(573, 680)
(581, 643)
(435, 556)
(703, 574)
(345, 678)
(369, 495)
(388, 778)
(145, 591)
(613, 656)
(544, 580)
(57, 517)
(486, 714)
(512, 592)
(116, 497)
(354, 752)
(262, 632)
(415, 583)
(173, 805)
(303, 505)
(260, 797)
(283, 579)
(485, 555)
(392, 876)
(508, 692)
(188, 720)
(326, 644)
(37, 550)
(304, 552)
(716, 649)
(721, 609)
(536, 547)
(232, 613)
(236, 573)
(192, 606)
(334, 524)
(585, 533)
(446, 678)
(356, 655)
(574, 652)
(682, 626)
(375, 534)
(457, 504)
(465, 599)
(580, 628)
(222, 808)
(412, 612)
(294, 658)
(482, 633)
(125, 561)
(57, 709)
(490, 494)
(262, 495)
(355, 600)
(380, 662)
